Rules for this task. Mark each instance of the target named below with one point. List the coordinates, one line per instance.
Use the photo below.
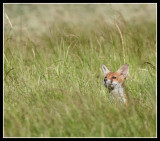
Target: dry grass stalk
(8, 20)
(121, 39)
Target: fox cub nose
(105, 79)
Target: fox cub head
(115, 79)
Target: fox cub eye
(113, 77)
(105, 78)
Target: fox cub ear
(105, 70)
(124, 70)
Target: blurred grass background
(52, 69)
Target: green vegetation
(53, 81)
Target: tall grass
(53, 82)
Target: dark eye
(113, 77)
(105, 78)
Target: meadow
(53, 78)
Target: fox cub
(114, 81)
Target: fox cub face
(114, 80)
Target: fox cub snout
(113, 81)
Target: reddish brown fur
(119, 78)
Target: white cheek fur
(115, 83)
(109, 82)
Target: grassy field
(53, 80)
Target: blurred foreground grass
(52, 70)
